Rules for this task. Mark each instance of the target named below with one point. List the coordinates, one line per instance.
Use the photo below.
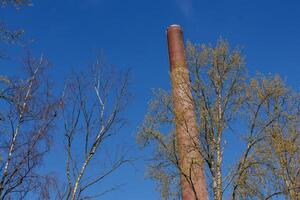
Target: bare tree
(92, 113)
(262, 112)
(27, 116)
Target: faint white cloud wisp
(185, 6)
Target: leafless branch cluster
(28, 110)
(9, 37)
(92, 113)
(16, 3)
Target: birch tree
(269, 167)
(27, 115)
(92, 115)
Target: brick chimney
(192, 177)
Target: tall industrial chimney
(192, 177)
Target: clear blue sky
(131, 34)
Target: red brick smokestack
(192, 178)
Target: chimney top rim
(174, 26)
